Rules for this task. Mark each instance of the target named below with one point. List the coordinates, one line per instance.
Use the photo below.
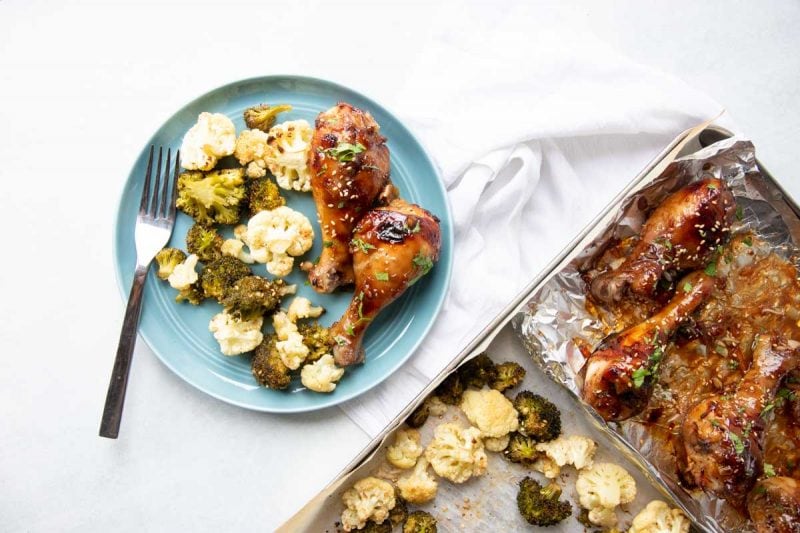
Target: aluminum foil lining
(555, 320)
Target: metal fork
(154, 225)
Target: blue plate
(178, 333)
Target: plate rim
(329, 399)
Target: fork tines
(155, 204)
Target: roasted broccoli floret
(509, 375)
(419, 416)
(478, 371)
(267, 366)
(372, 527)
(167, 260)
(399, 512)
(253, 296)
(219, 275)
(204, 242)
(263, 194)
(420, 522)
(539, 418)
(317, 338)
(521, 449)
(540, 505)
(211, 197)
(262, 117)
(451, 389)
(193, 294)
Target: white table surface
(83, 85)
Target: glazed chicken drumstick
(723, 435)
(392, 248)
(618, 376)
(349, 164)
(774, 505)
(680, 234)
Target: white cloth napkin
(534, 133)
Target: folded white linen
(534, 132)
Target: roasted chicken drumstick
(774, 505)
(392, 248)
(618, 376)
(723, 435)
(680, 234)
(349, 164)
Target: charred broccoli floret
(262, 117)
(211, 197)
(204, 242)
(478, 371)
(317, 338)
(521, 449)
(420, 522)
(419, 416)
(540, 505)
(399, 512)
(219, 275)
(451, 389)
(372, 527)
(267, 366)
(167, 260)
(539, 418)
(263, 194)
(509, 375)
(252, 296)
(193, 294)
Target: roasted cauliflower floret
(290, 344)
(658, 517)
(250, 150)
(603, 487)
(497, 444)
(418, 487)
(212, 137)
(490, 411)
(301, 308)
(369, 499)
(574, 450)
(236, 336)
(289, 143)
(321, 375)
(457, 453)
(183, 274)
(275, 237)
(406, 449)
(235, 248)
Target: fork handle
(115, 398)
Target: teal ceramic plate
(178, 333)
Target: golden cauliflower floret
(457, 453)
(283, 326)
(301, 308)
(418, 487)
(212, 137)
(236, 336)
(658, 517)
(321, 375)
(235, 248)
(184, 274)
(292, 350)
(406, 449)
(436, 407)
(490, 411)
(288, 144)
(496, 444)
(574, 450)
(252, 152)
(277, 236)
(603, 487)
(369, 499)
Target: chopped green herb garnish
(349, 329)
(340, 205)
(639, 375)
(382, 276)
(327, 244)
(365, 247)
(721, 349)
(424, 262)
(748, 241)
(415, 229)
(739, 213)
(687, 287)
(711, 269)
(345, 152)
(769, 470)
(715, 423)
(733, 363)
(712, 186)
(738, 445)
(341, 341)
